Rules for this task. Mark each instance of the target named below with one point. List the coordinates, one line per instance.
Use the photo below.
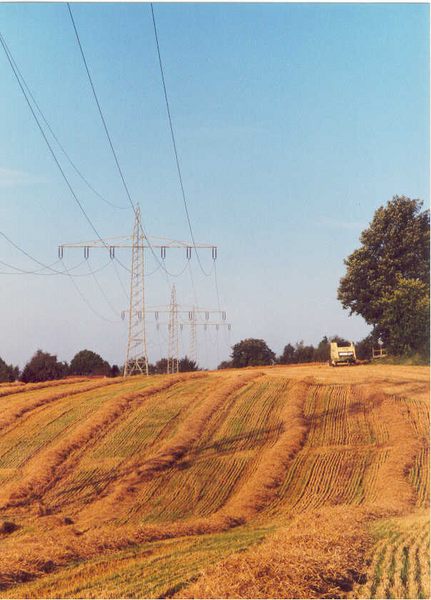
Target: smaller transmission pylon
(193, 337)
(173, 344)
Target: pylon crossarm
(190, 312)
(111, 246)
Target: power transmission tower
(178, 318)
(136, 352)
(193, 338)
(173, 343)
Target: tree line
(44, 366)
(253, 352)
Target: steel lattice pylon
(193, 337)
(173, 345)
(136, 353)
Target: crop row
(143, 471)
(417, 414)
(253, 418)
(399, 562)
(324, 477)
(339, 461)
(128, 438)
(19, 406)
(21, 388)
(87, 420)
(420, 477)
(231, 473)
(339, 415)
(37, 429)
(202, 480)
(191, 492)
(155, 570)
(328, 416)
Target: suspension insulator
(207, 316)
(86, 252)
(163, 252)
(223, 315)
(112, 252)
(60, 252)
(217, 326)
(188, 252)
(190, 316)
(214, 252)
(229, 327)
(181, 326)
(123, 314)
(156, 315)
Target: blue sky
(294, 122)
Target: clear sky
(294, 122)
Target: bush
(43, 367)
(186, 365)
(251, 353)
(8, 372)
(87, 362)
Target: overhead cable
(60, 168)
(84, 299)
(174, 144)
(28, 255)
(102, 291)
(105, 126)
(60, 145)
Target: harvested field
(298, 481)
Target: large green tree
(87, 362)
(391, 265)
(406, 317)
(251, 353)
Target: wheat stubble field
(300, 481)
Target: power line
(69, 185)
(115, 155)
(174, 144)
(8, 55)
(28, 255)
(44, 267)
(121, 282)
(19, 271)
(100, 109)
(102, 291)
(71, 162)
(84, 299)
(105, 126)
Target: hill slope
(298, 481)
